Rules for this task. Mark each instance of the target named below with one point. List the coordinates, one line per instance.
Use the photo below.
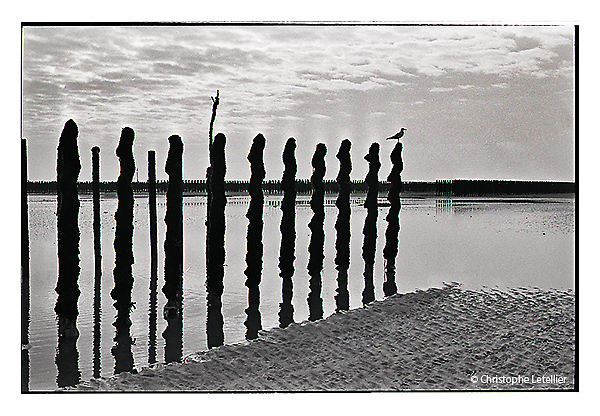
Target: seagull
(398, 135)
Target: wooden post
(215, 247)
(97, 257)
(288, 233)
(173, 287)
(153, 257)
(25, 289)
(342, 226)
(254, 246)
(123, 271)
(67, 169)
(317, 238)
(67, 287)
(390, 251)
(370, 227)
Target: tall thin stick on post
(215, 101)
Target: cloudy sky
(488, 102)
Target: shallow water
(478, 243)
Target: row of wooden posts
(68, 168)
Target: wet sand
(438, 339)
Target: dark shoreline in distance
(440, 188)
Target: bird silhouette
(398, 135)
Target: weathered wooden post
(25, 288)
(317, 238)
(96, 204)
(152, 205)
(390, 251)
(215, 101)
(173, 287)
(123, 243)
(370, 227)
(174, 234)
(153, 257)
(97, 257)
(67, 170)
(254, 252)
(288, 233)
(215, 248)
(123, 274)
(342, 226)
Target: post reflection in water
(317, 238)
(370, 227)
(443, 207)
(215, 243)
(153, 312)
(121, 349)
(214, 320)
(173, 287)
(253, 321)
(390, 251)
(342, 226)
(173, 334)
(25, 368)
(67, 356)
(288, 233)
(254, 242)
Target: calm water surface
(526, 242)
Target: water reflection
(67, 356)
(288, 233)
(317, 238)
(342, 226)
(286, 308)
(315, 301)
(422, 238)
(443, 206)
(370, 227)
(25, 369)
(173, 334)
(97, 322)
(254, 247)
(214, 319)
(253, 322)
(153, 310)
(121, 349)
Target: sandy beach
(438, 339)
